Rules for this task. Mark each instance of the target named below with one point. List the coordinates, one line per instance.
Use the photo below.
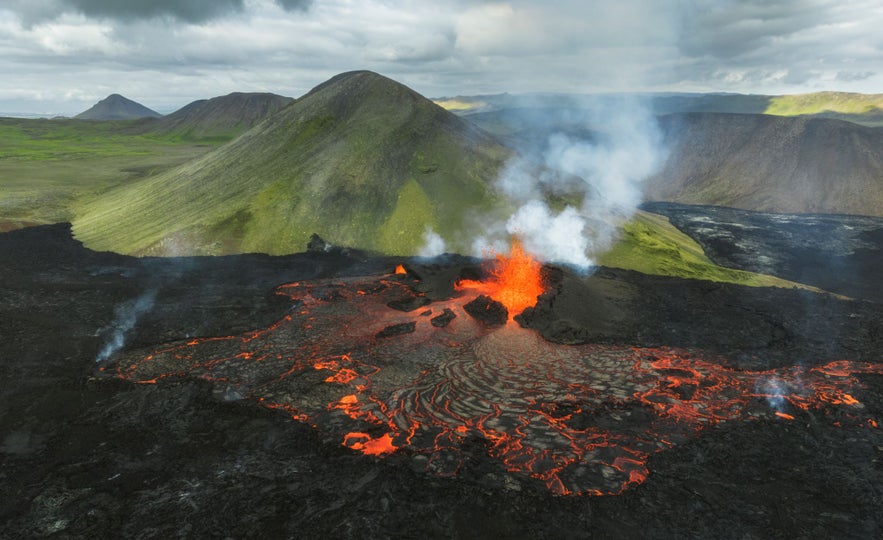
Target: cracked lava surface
(581, 419)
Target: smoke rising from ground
(594, 170)
(433, 244)
(125, 317)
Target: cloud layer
(63, 55)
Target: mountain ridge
(772, 164)
(491, 111)
(219, 118)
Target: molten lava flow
(400, 270)
(580, 419)
(367, 445)
(515, 280)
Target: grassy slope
(356, 160)
(820, 102)
(46, 165)
(649, 243)
(865, 109)
(457, 105)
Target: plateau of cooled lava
(375, 365)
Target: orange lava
(515, 280)
(400, 270)
(368, 445)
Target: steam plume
(125, 317)
(599, 173)
(433, 244)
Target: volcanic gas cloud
(580, 419)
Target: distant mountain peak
(117, 107)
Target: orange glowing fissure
(515, 281)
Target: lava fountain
(515, 280)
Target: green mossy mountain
(117, 107)
(220, 118)
(826, 102)
(769, 163)
(361, 160)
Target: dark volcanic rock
(755, 327)
(487, 310)
(437, 279)
(87, 456)
(409, 304)
(440, 321)
(317, 244)
(397, 330)
(585, 310)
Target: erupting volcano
(515, 281)
(367, 374)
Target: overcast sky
(61, 56)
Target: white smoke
(600, 174)
(773, 390)
(558, 237)
(125, 317)
(433, 244)
(778, 392)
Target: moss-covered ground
(649, 243)
(47, 165)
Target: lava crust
(704, 369)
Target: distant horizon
(166, 111)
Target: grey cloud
(799, 75)
(726, 30)
(462, 47)
(193, 11)
(189, 11)
(294, 5)
(785, 44)
(852, 76)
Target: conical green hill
(361, 160)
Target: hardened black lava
(85, 454)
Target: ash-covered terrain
(763, 413)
